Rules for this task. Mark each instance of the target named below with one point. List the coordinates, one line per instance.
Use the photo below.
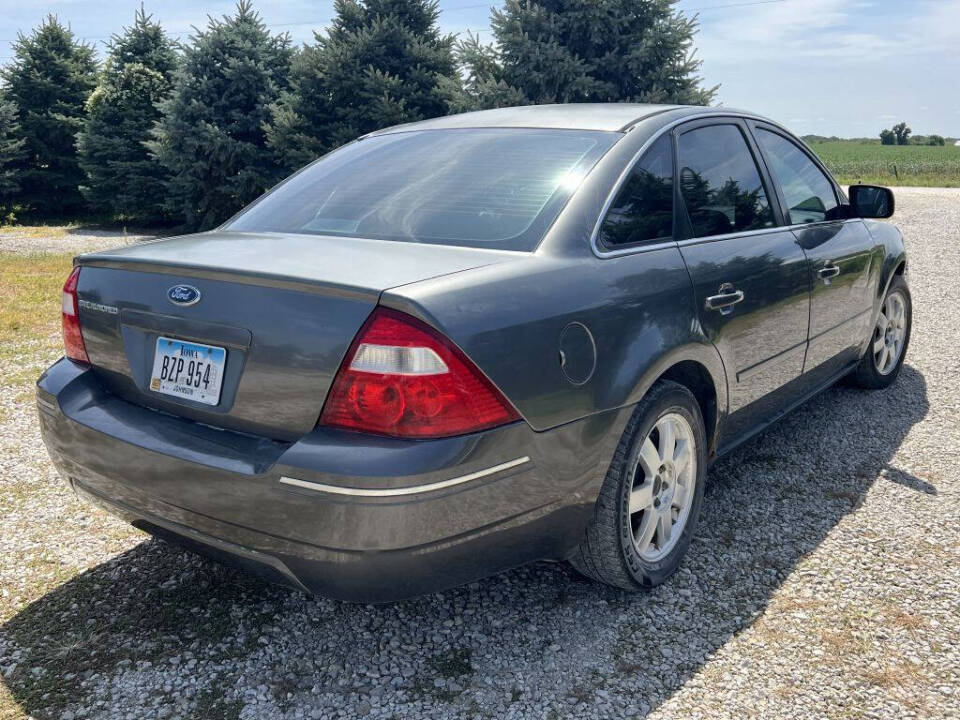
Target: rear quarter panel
(509, 319)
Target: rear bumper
(339, 514)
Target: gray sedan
(453, 347)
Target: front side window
(720, 182)
(807, 191)
(484, 187)
(643, 208)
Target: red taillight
(72, 337)
(402, 378)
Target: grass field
(29, 315)
(853, 162)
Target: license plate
(188, 370)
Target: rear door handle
(725, 299)
(828, 271)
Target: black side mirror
(871, 201)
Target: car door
(844, 267)
(749, 274)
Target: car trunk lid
(284, 308)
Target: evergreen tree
(122, 177)
(211, 138)
(555, 51)
(485, 82)
(12, 154)
(382, 62)
(49, 80)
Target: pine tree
(549, 51)
(485, 78)
(211, 138)
(122, 177)
(49, 80)
(382, 62)
(12, 154)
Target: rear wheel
(882, 362)
(650, 499)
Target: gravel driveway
(62, 240)
(824, 582)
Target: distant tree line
(186, 134)
(900, 134)
(888, 135)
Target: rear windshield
(499, 188)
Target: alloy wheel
(663, 488)
(889, 333)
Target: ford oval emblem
(183, 295)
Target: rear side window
(484, 187)
(720, 182)
(643, 208)
(807, 191)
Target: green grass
(29, 315)
(853, 162)
(30, 295)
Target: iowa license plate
(188, 370)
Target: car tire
(619, 548)
(889, 339)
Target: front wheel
(650, 500)
(882, 362)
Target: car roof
(612, 117)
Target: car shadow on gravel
(160, 633)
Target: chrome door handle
(725, 299)
(828, 271)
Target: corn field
(853, 162)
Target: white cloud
(755, 32)
(937, 27)
(840, 65)
(831, 29)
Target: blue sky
(844, 67)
